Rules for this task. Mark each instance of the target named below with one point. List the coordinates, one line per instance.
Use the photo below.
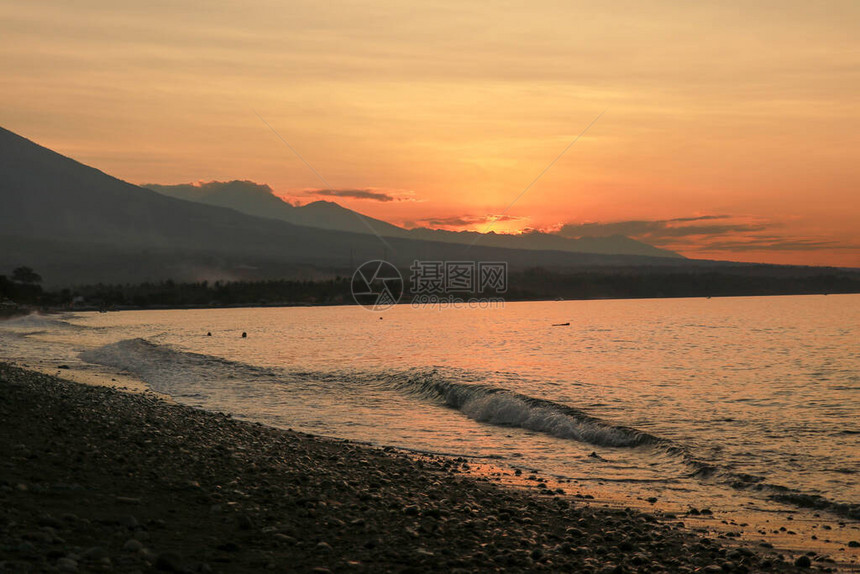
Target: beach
(98, 479)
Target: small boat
(561, 324)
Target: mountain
(536, 240)
(330, 215)
(76, 224)
(257, 199)
(245, 196)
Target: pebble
(244, 522)
(169, 562)
(48, 520)
(141, 535)
(803, 562)
(132, 545)
(280, 537)
(67, 565)
(94, 553)
(128, 521)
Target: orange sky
(730, 129)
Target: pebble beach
(98, 479)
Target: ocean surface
(721, 402)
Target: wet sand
(98, 479)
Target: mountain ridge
(75, 224)
(259, 199)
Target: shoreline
(26, 310)
(97, 478)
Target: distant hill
(245, 196)
(76, 224)
(535, 240)
(330, 215)
(257, 199)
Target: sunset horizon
(716, 132)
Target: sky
(724, 130)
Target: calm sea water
(715, 401)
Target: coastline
(98, 478)
(725, 280)
(26, 310)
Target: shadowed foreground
(96, 479)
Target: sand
(98, 479)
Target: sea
(729, 404)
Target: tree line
(23, 287)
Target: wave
(502, 407)
(188, 374)
(499, 406)
(172, 372)
(194, 376)
(37, 323)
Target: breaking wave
(172, 372)
(193, 375)
(502, 407)
(37, 323)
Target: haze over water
(677, 398)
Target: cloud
(778, 244)
(203, 188)
(665, 232)
(662, 229)
(369, 193)
(459, 221)
(704, 233)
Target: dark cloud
(703, 233)
(662, 230)
(366, 193)
(776, 244)
(466, 220)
